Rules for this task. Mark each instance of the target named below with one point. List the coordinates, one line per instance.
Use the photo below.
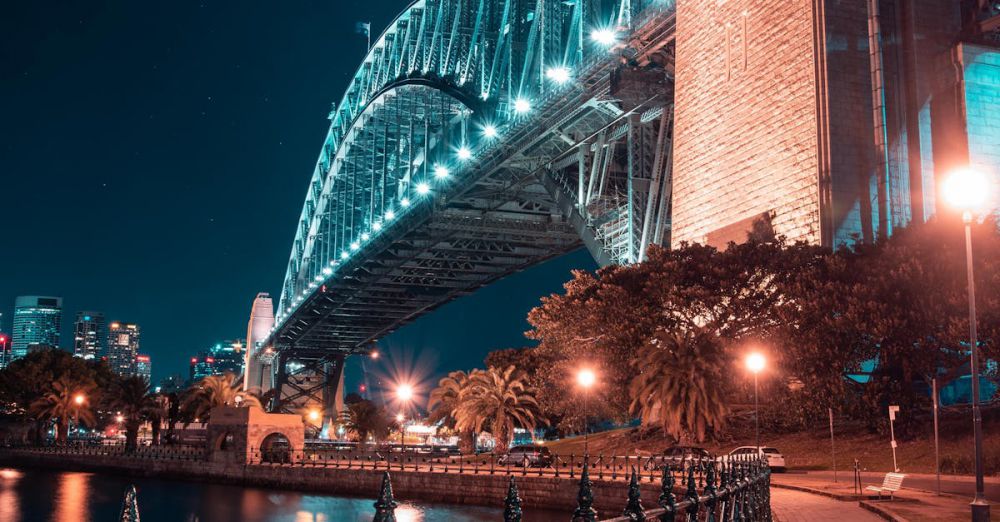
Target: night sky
(155, 157)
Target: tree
(214, 391)
(681, 383)
(444, 400)
(61, 404)
(500, 400)
(364, 418)
(130, 396)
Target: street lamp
(755, 363)
(404, 392)
(586, 378)
(968, 190)
(78, 399)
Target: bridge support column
(308, 379)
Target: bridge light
(377, 226)
(440, 172)
(423, 188)
(344, 255)
(405, 202)
(333, 262)
(327, 270)
(312, 285)
(318, 278)
(604, 36)
(355, 245)
(365, 236)
(559, 75)
(489, 131)
(464, 153)
(390, 215)
(522, 106)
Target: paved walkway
(798, 506)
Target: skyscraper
(123, 346)
(89, 335)
(37, 320)
(224, 357)
(144, 367)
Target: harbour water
(37, 495)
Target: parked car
(676, 457)
(528, 455)
(775, 459)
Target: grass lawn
(810, 450)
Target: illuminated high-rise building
(37, 320)
(123, 346)
(224, 357)
(89, 335)
(144, 367)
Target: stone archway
(242, 436)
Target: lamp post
(586, 378)
(755, 363)
(78, 400)
(402, 441)
(968, 191)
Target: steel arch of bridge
(460, 154)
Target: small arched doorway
(275, 449)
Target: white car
(775, 460)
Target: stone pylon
(130, 506)
(385, 506)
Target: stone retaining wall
(453, 488)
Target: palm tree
(131, 397)
(61, 404)
(499, 399)
(444, 401)
(214, 391)
(681, 382)
(364, 418)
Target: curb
(814, 491)
(870, 506)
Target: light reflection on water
(32, 495)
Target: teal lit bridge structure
(477, 138)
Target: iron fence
(171, 452)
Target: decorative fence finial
(385, 506)
(512, 504)
(667, 498)
(585, 499)
(633, 510)
(130, 506)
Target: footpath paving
(798, 506)
(909, 504)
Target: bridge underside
(388, 234)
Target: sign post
(893, 410)
(833, 447)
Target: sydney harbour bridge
(477, 138)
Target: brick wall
(982, 110)
(746, 122)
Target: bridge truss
(477, 138)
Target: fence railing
(175, 452)
(734, 490)
(601, 467)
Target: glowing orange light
(586, 377)
(756, 362)
(404, 392)
(79, 399)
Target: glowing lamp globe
(559, 75)
(586, 377)
(966, 189)
(490, 131)
(604, 36)
(755, 362)
(404, 392)
(464, 153)
(423, 188)
(522, 106)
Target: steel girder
(399, 219)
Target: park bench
(891, 484)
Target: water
(35, 495)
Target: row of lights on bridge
(559, 75)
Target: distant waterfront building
(144, 367)
(224, 357)
(123, 346)
(37, 320)
(89, 335)
(4, 349)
